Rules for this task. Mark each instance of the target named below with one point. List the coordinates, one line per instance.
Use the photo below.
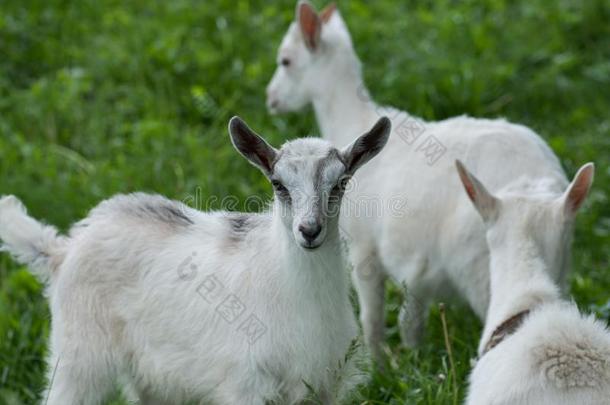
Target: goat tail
(30, 242)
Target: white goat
(438, 246)
(536, 348)
(224, 307)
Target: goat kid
(536, 348)
(437, 248)
(224, 307)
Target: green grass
(101, 97)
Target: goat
(231, 308)
(436, 248)
(536, 347)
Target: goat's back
(429, 233)
(183, 299)
(557, 357)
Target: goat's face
(309, 59)
(538, 224)
(308, 176)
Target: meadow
(105, 97)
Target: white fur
(437, 249)
(557, 356)
(28, 240)
(126, 298)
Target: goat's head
(308, 175)
(315, 53)
(538, 221)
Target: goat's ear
(327, 12)
(367, 146)
(310, 25)
(577, 191)
(252, 146)
(483, 200)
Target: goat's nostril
(310, 233)
(273, 103)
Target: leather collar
(506, 328)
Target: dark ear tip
(235, 121)
(303, 4)
(385, 121)
(236, 124)
(383, 124)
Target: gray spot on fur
(169, 213)
(333, 155)
(241, 225)
(574, 365)
(149, 208)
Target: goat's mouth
(310, 246)
(273, 106)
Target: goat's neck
(519, 281)
(318, 269)
(343, 106)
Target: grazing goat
(536, 347)
(436, 248)
(221, 307)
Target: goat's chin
(278, 110)
(274, 110)
(285, 108)
(310, 246)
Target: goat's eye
(342, 183)
(285, 62)
(279, 187)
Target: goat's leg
(369, 280)
(147, 399)
(238, 398)
(325, 399)
(77, 381)
(242, 389)
(412, 319)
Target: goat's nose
(310, 233)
